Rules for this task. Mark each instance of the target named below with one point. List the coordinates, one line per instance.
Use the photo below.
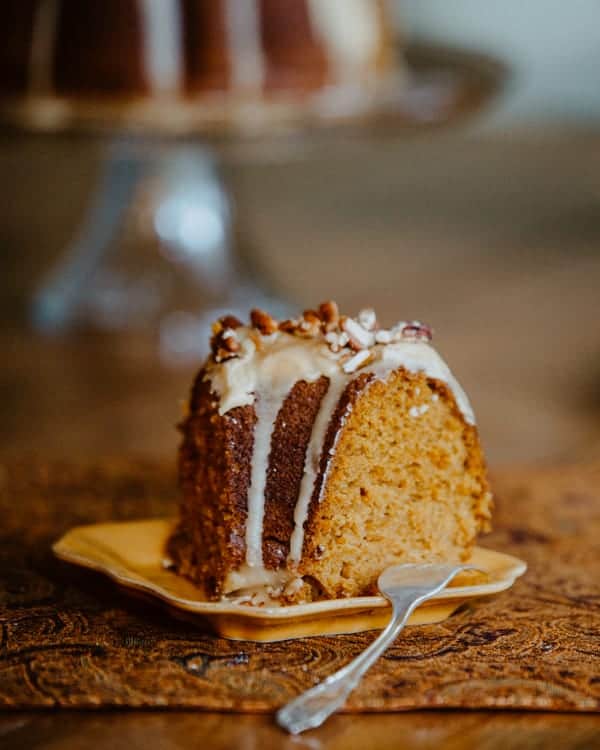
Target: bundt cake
(318, 451)
(141, 48)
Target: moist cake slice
(318, 451)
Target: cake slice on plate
(318, 451)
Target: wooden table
(432, 730)
(69, 639)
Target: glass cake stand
(160, 244)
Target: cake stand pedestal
(160, 243)
(160, 246)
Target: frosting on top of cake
(269, 365)
(260, 363)
(268, 357)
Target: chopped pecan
(264, 322)
(230, 321)
(227, 321)
(357, 360)
(310, 324)
(330, 315)
(288, 326)
(368, 319)
(359, 337)
(311, 316)
(334, 340)
(337, 340)
(224, 344)
(416, 330)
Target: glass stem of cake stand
(57, 303)
(185, 268)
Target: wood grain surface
(72, 640)
(426, 730)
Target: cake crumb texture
(399, 488)
(320, 450)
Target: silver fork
(406, 587)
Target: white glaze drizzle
(268, 363)
(337, 385)
(351, 34)
(264, 374)
(267, 406)
(246, 55)
(418, 356)
(162, 44)
(255, 579)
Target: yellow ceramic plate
(132, 554)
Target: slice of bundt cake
(318, 451)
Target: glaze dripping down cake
(318, 451)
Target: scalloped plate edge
(131, 554)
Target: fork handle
(313, 707)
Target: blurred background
(455, 179)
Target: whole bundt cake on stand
(318, 451)
(133, 50)
(230, 76)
